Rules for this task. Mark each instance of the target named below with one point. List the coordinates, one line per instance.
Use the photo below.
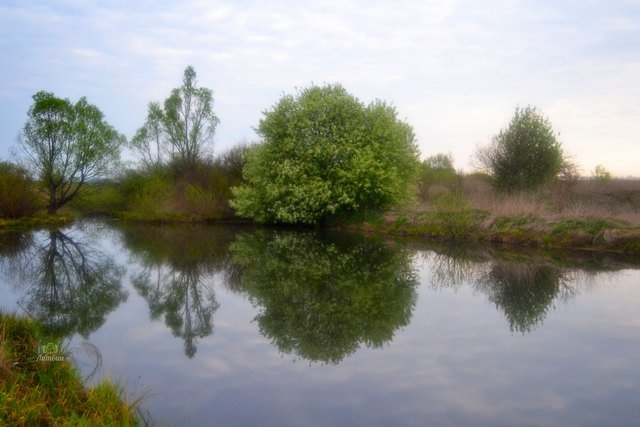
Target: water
(239, 326)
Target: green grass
(37, 392)
(36, 221)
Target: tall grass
(616, 199)
(50, 392)
(171, 192)
(18, 196)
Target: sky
(454, 69)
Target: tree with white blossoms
(323, 153)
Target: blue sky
(454, 69)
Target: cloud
(454, 69)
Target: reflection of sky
(456, 363)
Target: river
(223, 325)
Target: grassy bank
(38, 220)
(589, 215)
(39, 386)
(168, 193)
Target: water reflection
(524, 286)
(68, 284)
(177, 274)
(322, 298)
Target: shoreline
(471, 226)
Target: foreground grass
(34, 392)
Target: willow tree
(183, 126)
(65, 145)
(323, 153)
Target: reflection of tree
(14, 243)
(523, 286)
(322, 299)
(177, 267)
(524, 291)
(70, 286)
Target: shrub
(436, 170)
(325, 153)
(454, 216)
(525, 155)
(601, 174)
(17, 193)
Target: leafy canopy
(65, 145)
(525, 155)
(182, 128)
(324, 152)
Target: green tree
(525, 155)
(149, 141)
(324, 152)
(436, 169)
(601, 174)
(65, 145)
(184, 127)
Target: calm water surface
(236, 326)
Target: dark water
(230, 326)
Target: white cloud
(455, 69)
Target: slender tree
(183, 127)
(149, 141)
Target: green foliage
(17, 194)
(525, 155)
(592, 226)
(36, 392)
(323, 153)
(147, 193)
(323, 297)
(66, 145)
(102, 198)
(171, 192)
(601, 174)
(182, 128)
(436, 170)
(454, 216)
(148, 143)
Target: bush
(325, 153)
(601, 174)
(17, 194)
(524, 156)
(454, 216)
(436, 170)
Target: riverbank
(39, 386)
(36, 221)
(474, 225)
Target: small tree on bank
(66, 145)
(525, 155)
(324, 152)
(183, 127)
(436, 169)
